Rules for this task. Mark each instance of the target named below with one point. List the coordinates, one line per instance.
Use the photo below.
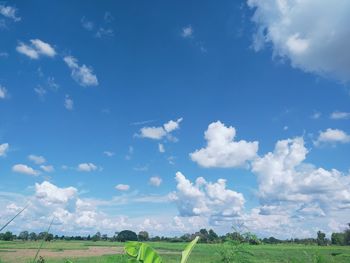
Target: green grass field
(17, 251)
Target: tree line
(206, 236)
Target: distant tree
(143, 236)
(88, 238)
(321, 238)
(338, 239)
(204, 235)
(7, 236)
(41, 235)
(33, 236)
(126, 235)
(24, 235)
(104, 237)
(156, 238)
(186, 238)
(48, 237)
(347, 236)
(212, 236)
(96, 237)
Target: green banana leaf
(186, 253)
(141, 252)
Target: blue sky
(174, 116)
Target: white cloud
(155, 181)
(83, 75)
(158, 133)
(207, 199)
(51, 194)
(104, 32)
(316, 115)
(313, 35)
(289, 186)
(172, 125)
(4, 148)
(40, 91)
(36, 49)
(122, 187)
(161, 148)
(130, 153)
(155, 133)
(9, 12)
(222, 150)
(340, 115)
(109, 153)
(87, 167)
(332, 136)
(3, 92)
(43, 48)
(187, 31)
(37, 159)
(47, 168)
(24, 169)
(88, 25)
(68, 103)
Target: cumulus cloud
(288, 184)
(158, 133)
(222, 150)
(37, 159)
(9, 12)
(86, 167)
(155, 181)
(340, 115)
(4, 148)
(36, 49)
(68, 103)
(332, 136)
(24, 169)
(3, 92)
(312, 34)
(207, 199)
(49, 193)
(122, 187)
(83, 75)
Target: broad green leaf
(132, 248)
(142, 252)
(186, 253)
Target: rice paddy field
(108, 252)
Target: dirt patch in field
(22, 255)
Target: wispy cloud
(340, 115)
(68, 103)
(83, 74)
(3, 92)
(9, 12)
(4, 149)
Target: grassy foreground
(203, 253)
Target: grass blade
(13, 218)
(42, 241)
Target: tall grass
(42, 241)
